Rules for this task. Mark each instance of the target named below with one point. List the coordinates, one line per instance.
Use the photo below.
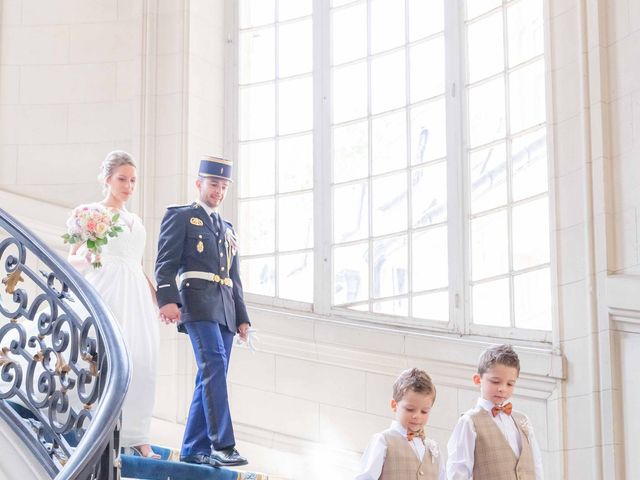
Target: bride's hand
(170, 313)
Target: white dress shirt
(462, 443)
(206, 207)
(376, 452)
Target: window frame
(458, 226)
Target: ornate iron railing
(64, 370)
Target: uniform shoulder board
(175, 205)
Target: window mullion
(370, 158)
(456, 171)
(322, 204)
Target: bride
(127, 292)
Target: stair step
(167, 468)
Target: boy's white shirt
(373, 457)
(461, 445)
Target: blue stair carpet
(167, 468)
(151, 469)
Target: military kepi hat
(211, 166)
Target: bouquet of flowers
(92, 225)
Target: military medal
(200, 246)
(196, 221)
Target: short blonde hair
(498, 354)
(415, 380)
(111, 162)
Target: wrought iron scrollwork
(63, 369)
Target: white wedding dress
(124, 288)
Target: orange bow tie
(506, 408)
(417, 434)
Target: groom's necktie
(216, 222)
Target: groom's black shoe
(228, 457)
(198, 459)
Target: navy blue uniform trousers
(209, 421)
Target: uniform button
(221, 254)
(187, 284)
(421, 472)
(222, 268)
(199, 236)
(219, 241)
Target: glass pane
(426, 17)
(388, 84)
(489, 245)
(488, 176)
(527, 96)
(491, 303)
(295, 105)
(525, 30)
(529, 164)
(349, 92)
(428, 132)
(478, 7)
(257, 220)
(389, 142)
(258, 275)
(295, 277)
(350, 212)
(295, 221)
(531, 234)
(295, 163)
(295, 48)
(397, 306)
(288, 9)
(429, 194)
(432, 306)
(430, 269)
(256, 12)
(257, 111)
(532, 300)
(387, 24)
(485, 47)
(349, 33)
(390, 267)
(389, 198)
(256, 167)
(350, 152)
(257, 55)
(351, 274)
(486, 112)
(427, 69)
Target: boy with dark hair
(403, 452)
(492, 441)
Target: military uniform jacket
(190, 242)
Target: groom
(207, 303)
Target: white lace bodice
(128, 246)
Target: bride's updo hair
(112, 161)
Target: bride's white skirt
(125, 290)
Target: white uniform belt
(212, 277)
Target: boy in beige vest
(492, 442)
(402, 452)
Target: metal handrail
(88, 350)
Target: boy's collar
(397, 426)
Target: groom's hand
(170, 313)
